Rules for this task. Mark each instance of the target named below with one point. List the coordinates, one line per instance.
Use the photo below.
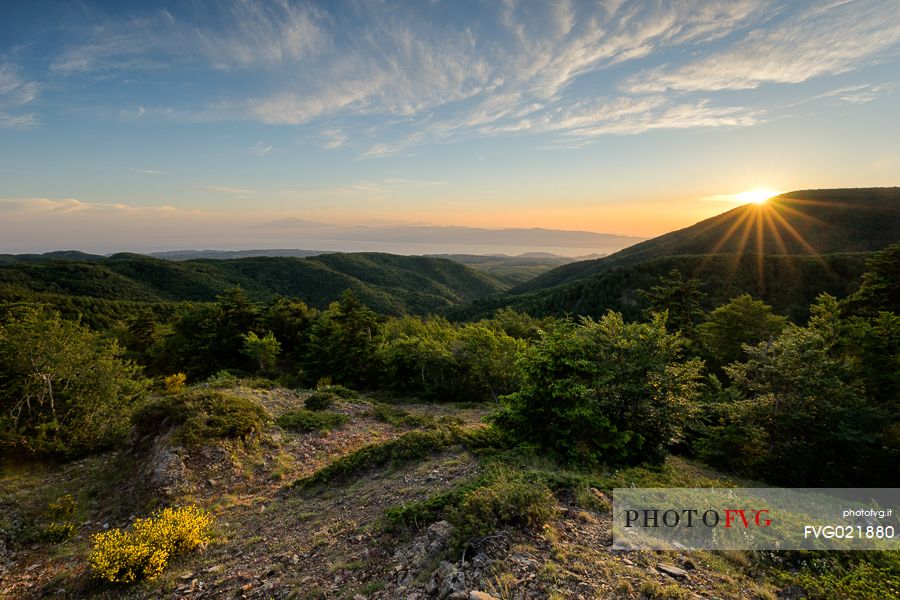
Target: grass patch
(399, 417)
(414, 445)
(304, 420)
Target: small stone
(215, 569)
(359, 597)
(481, 596)
(672, 571)
(481, 561)
(295, 560)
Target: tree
(488, 360)
(342, 343)
(603, 392)
(63, 388)
(880, 287)
(418, 358)
(290, 321)
(264, 350)
(681, 298)
(742, 320)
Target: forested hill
(387, 283)
(784, 252)
(807, 222)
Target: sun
(756, 196)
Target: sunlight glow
(756, 196)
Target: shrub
(510, 499)
(63, 388)
(60, 513)
(59, 532)
(143, 551)
(306, 420)
(63, 507)
(340, 391)
(399, 417)
(175, 383)
(409, 446)
(320, 400)
(200, 416)
(222, 379)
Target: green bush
(200, 416)
(398, 417)
(307, 420)
(63, 388)
(510, 499)
(320, 400)
(409, 446)
(603, 392)
(340, 391)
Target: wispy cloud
(222, 189)
(15, 93)
(68, 206)
(856, 94)
(380, 150)
(520, 67)
(382, 188)
(147, 171)
(261, 148)
(334, 138)
(823, 40)
(668, 116)
(239, 34)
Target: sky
(163, 125)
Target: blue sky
(154, 125)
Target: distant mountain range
(449, 236)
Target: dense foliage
(200, 415)
(63, 388)
(813, 406)
(604, 392)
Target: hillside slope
(787, 283)
(807, 222)
(274, 538)
(387, 283)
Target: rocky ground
(272, 540)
